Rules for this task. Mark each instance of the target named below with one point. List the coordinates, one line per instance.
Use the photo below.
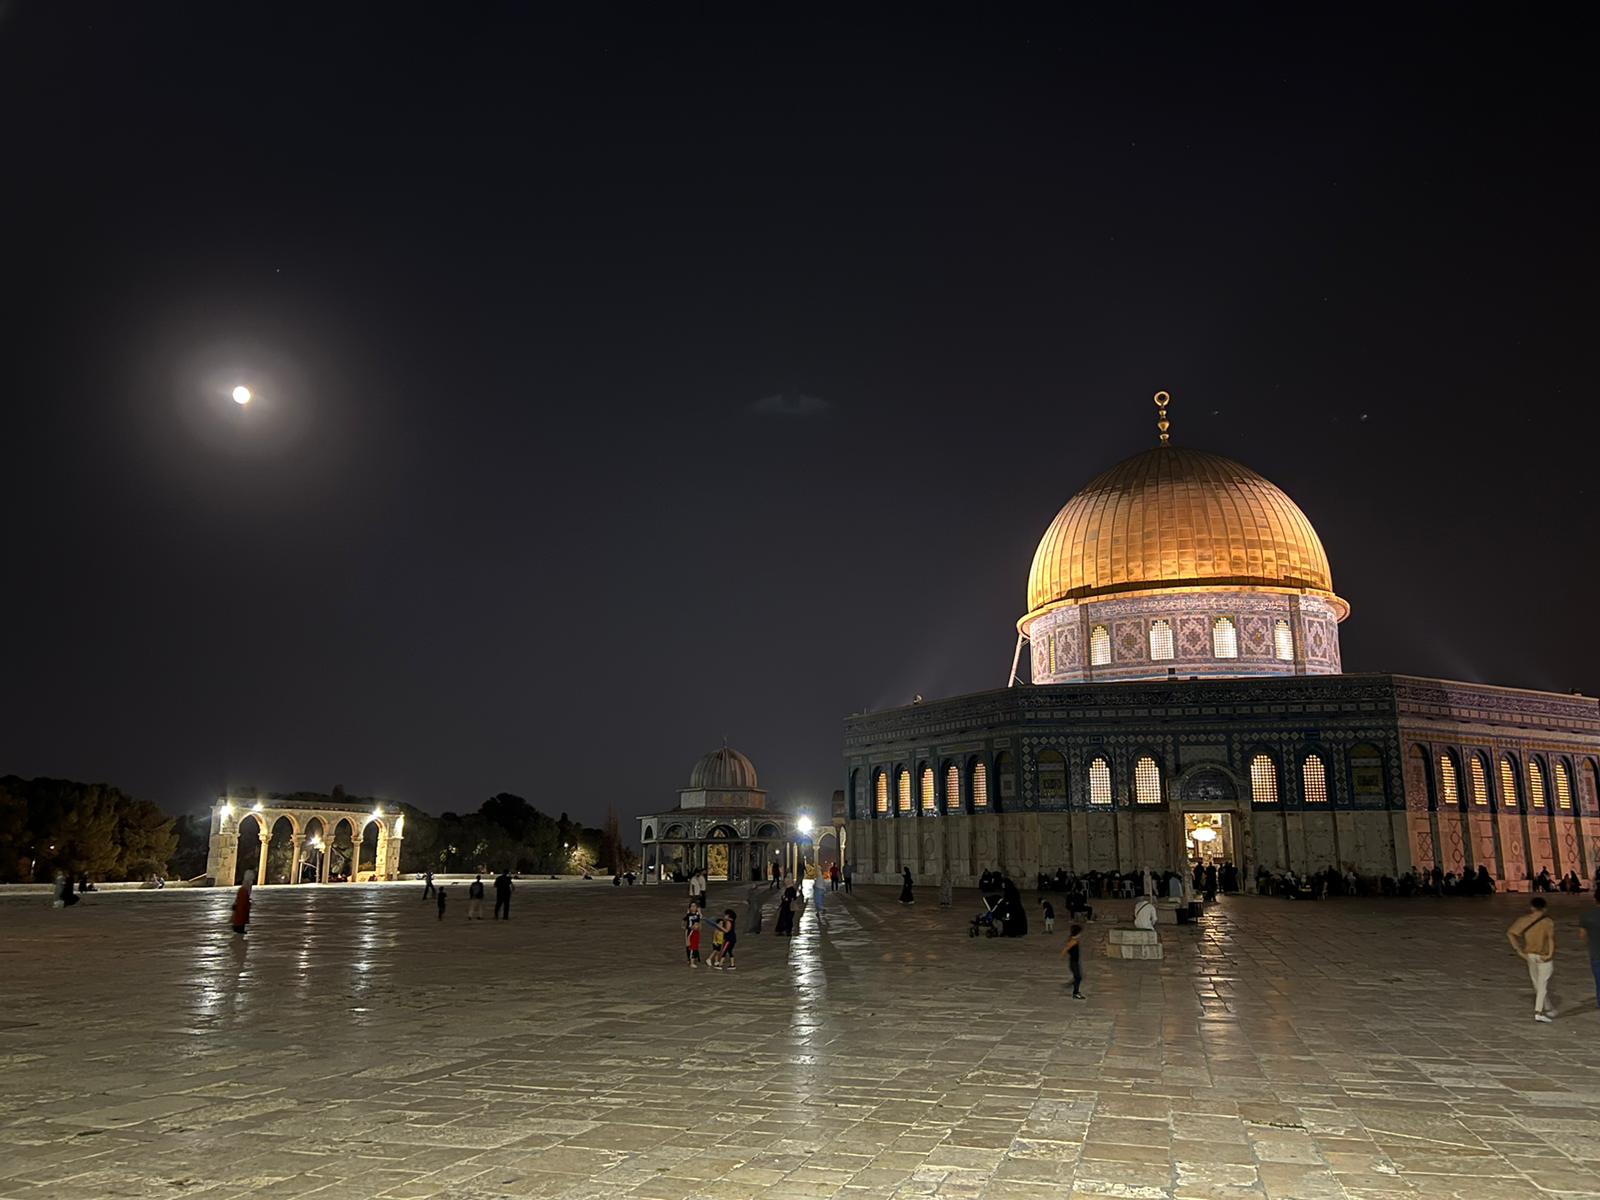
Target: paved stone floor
(358, 1047)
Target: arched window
(1508, 783)
(1283, 641)
(1099, 780)
(1146, 781)
(929, 799)
(1449, 785)
(1051, 650)
(880, 801)
(1099, 646)
(903, 790)
(980, 786)
(1224, 638)
(1563, 787)
(1535, 783)
(952, 789)
(1314, 780)
(1263, 779)
(649, 833)
(1161, 639)
(1480, 780)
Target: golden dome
(1177, 518)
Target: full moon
(241, 395)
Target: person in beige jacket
(1533, 936)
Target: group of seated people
(1330, 881)
(1207, 878)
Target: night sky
(642, 379)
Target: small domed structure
(1176, 561)
(724, 768)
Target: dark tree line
(89, 829)
(99, 831)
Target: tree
(146, 838)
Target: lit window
(1099, 646)
(1224, 638)
(1099, 781)
(1263, 780)
(1283, 641)
(1508, 784)
(903, 786)
(1161, 639)
(1535, 783)
(1480, 780)
(881, 802)
(952, 789)
(1563, 787)
(928, 796)
(1052, 647)
(1449, 787)
(1314, 779)
(1146, 781)
(980, 786)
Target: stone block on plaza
(1125, 941)
(1167, 911)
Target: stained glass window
(1263, 779)
(929, 799)
(1099, 646)
(1099, 781)
(1314, 779)
(1480, 780)
(952, 789)
(1508, 784)
(1161, 639)
(1449, 786)
(1146, 781)
(881, 803)
(1535, 783)
(1224, 638)
(980, 786)
(903, 784)
(1283, 641)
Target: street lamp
(242, 395)
(805, 825)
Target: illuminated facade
(721, 824)
(1182, 635)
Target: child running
(691, 934)
(1073, 960)
(728, 933)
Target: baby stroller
(986, 922)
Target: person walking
(775, 878)
(1533, 936)
(849, 876)
(730, 938)
(1073, 953)
(833, 877)
(427, 884)
(1589, 933)
(241, 903)
(817, 893)
(1049, 915)
(906, 896)
(691, 934)
(502, 896)
(785, 923)
(441, 897)
(475, 899)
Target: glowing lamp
(805, 825)
(241, 395)
(1204, 834)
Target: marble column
(297, 845)
(327, 858)
(261, 869)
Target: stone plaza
(358, 1046)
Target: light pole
(805, 825)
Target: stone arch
(1207, 787)
(649, 833)
(853, 798)
(340, 857)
